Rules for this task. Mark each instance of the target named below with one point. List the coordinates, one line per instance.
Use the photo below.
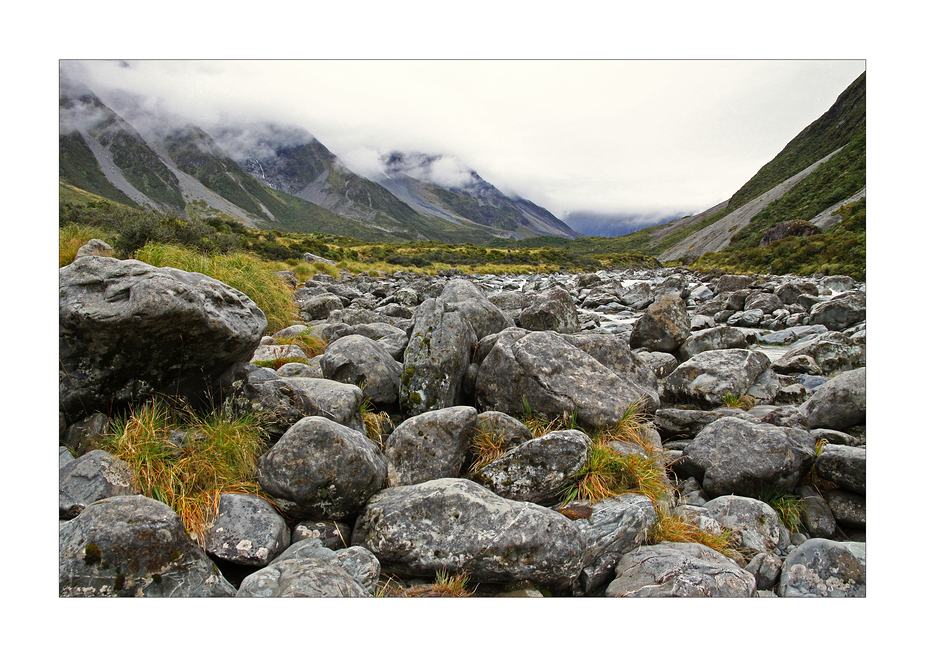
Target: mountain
(271, 176)
(609, 224)
(441, 187)
(818, 172)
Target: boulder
(553, 309)
(284, 400)
(79, 436)
(832, 352)
(360, 361)
(332, 535)
(753, 523)
(538, 470)
(707, 377)
(846, 466)
(246, 531)
(133, 546)
(93, 476)
(323, 469)
(456, 525)
(839, 403)
(314, 306)
(731, 283)
(848, 508)
(663, 326)
(679, 569)
(94, 248)
(744, 458)
(128, 330)
(815, 514)
(611, 528)
(430, 445)
(712, 339)
(840, 312)
(485, 317)
(435, 360)
(825, 568)
(554, 378)
(308, 569)
(763, 301)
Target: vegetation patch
(187, 459)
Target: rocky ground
(448, 356)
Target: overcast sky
(623, 136)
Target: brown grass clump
(445, 585)
(219, 456)
(671, 528)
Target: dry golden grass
(220, 456)
(671, 528)
(445, 585)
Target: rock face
(133, 546)
(767, 457)
(825, 568)
(360, 361)
(430, 445)
(538, 469)
(673, 569)
(840, 403)
(247, 531)
(127, 329)
(555, 378)
(456, 525)
(324, 469)
(552, 310)
(436, 358)
(663, 327)
(93, 476)
(707, 377)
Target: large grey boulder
(831, 352)
(707, 377)
(457, 525)
(360, 361)
(554, 378)
(745, 458)
(430, 445)
(676, 569)
(610, 528)
(133, 546)
(553, 309)
(816, 515)
(839, 403)
(323, 469)
(846, 466)
(840, 312)
(464, 297)
(93, 476)
(712, 339)
(435, 360)
(246, 531)
(79, 436)
(753, 523)
(538, 470)
(663, 326)
(308, 569)
(825, 568)
(127, 330)
(283, 400)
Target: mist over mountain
(615, 224)
(263, 173)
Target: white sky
(647, 136)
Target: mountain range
(274, 176)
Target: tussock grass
(244, 272)
(74, 235)
(671, 528)
(444, 585)
(310, 343)
(219, 456)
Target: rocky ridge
(448, 356)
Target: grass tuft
(219, 456)
(244, 272)
(444, 585)
(671, 528)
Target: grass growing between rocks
(671, 528)
(72, 236)
(218, 455)
(242, 271)
(444, 585)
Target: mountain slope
(822, 167)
